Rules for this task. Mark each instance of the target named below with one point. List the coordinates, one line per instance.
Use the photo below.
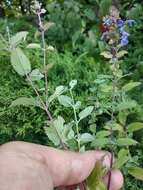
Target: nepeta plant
(115, 34)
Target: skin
(26, 166)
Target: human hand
(26, 166)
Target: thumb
(68, 168)
(65, 167)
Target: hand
(25, 166)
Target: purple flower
(120, 23)
(124, 41)
(130, 22)
(125, 34)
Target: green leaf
(35, 75)
(20, 62)
(86, 138)
(24, 102)
(104, 7)
(122, 117)
(59, 90)
(65, 101)
(86, 112)
(34, 46)
(58, 124)
(114, 126)
(94, 181)
(134, 127)
(90, 14)
(126, 142)
(100, 142)
(106, 88)
(70, 134)
(122, 158)
(52, 135)
(16, 39)
(136, 172)
(102, 133)
(48, 25)
(126, 105)
(130, 86)
(121, 54)
(106, 54)
(135, 12)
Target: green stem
(76, 121)
(112, 121)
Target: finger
(66, 168)
(69, 168)
(116, 180)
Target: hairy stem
(76, 121)
(112, 121)
(44, 57)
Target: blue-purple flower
(120, 23)
(124, 38)
(112, 26)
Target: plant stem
(76, 121)
(45, 109)
(44, 57)
(110, 172)
(112, 122)
(8, 34)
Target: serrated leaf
(122, 158)
(34, 46)
(130, 86)
(70, 134)
(24, 102)
(20, 62)
(106, 54)
(121, 53)
(126, 142)
(52, 135)
(35, 75)
(136, 172)
(65, 101)
(17, 38)
(86, 137)
(134, 127)
(58, 124)
(86, 112)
